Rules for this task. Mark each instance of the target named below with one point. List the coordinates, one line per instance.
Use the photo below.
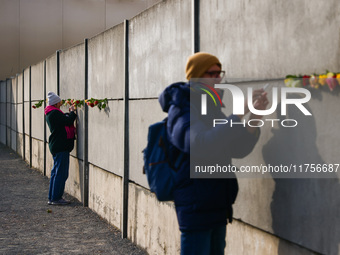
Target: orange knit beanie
(199, 63)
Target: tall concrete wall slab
(72, 84)
(26, 73)
(105, 195)
(19, 89)
(27, 118)
(38, 123)
(106, 64)
(37, 80)
(3, 111)
(27, 109)
(106, 80)
(13, 128)
(270, 39)
(274, 199)
(51, 80)
(160, 41)
(19, 118)
(13, 117)
(3, 91)
(72, 72)
(51, 74)
(142, 114)
(9, 111)
(37, 93)
(105, 137)
(9, 100)
(14, 89)
(152, 224)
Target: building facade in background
(32, 30)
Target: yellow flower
(288, 82)
(322, 79)
(338, 77)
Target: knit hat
(53, 98)
(199, 63)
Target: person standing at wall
(204, 206)
(61, 143)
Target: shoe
(61, 202)
(49, 202)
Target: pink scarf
(70, 130)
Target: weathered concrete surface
(20, 146)
(37, 122)
(301, 201)
(19, 88)
(27, 108)
(152, 224)
(3, 91)
(37, 80)
(105, 195)
(27, 148)
(106, 64)
(26, 73)
(72, 80)
(27, 227)
(74, 182)
(51, 74)
(270, 39)
(142, 114)
(38, 155)
(51, 80)
(247, 240)
(19, 120)
(106, 139)
(159, 44)
(3, 111)
(72, 72)
(13, 140)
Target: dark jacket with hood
(203, 203)
(62, 130)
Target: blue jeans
(208, 242)
(59, 175)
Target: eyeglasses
(216, 74)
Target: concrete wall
(3, 111)
(106, 80)
(262, 40)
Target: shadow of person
(305, 211)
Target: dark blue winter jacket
(203, 203)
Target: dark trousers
(207, 242)
(59, 175)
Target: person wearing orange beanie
(204, 205)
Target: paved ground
(30, 226)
